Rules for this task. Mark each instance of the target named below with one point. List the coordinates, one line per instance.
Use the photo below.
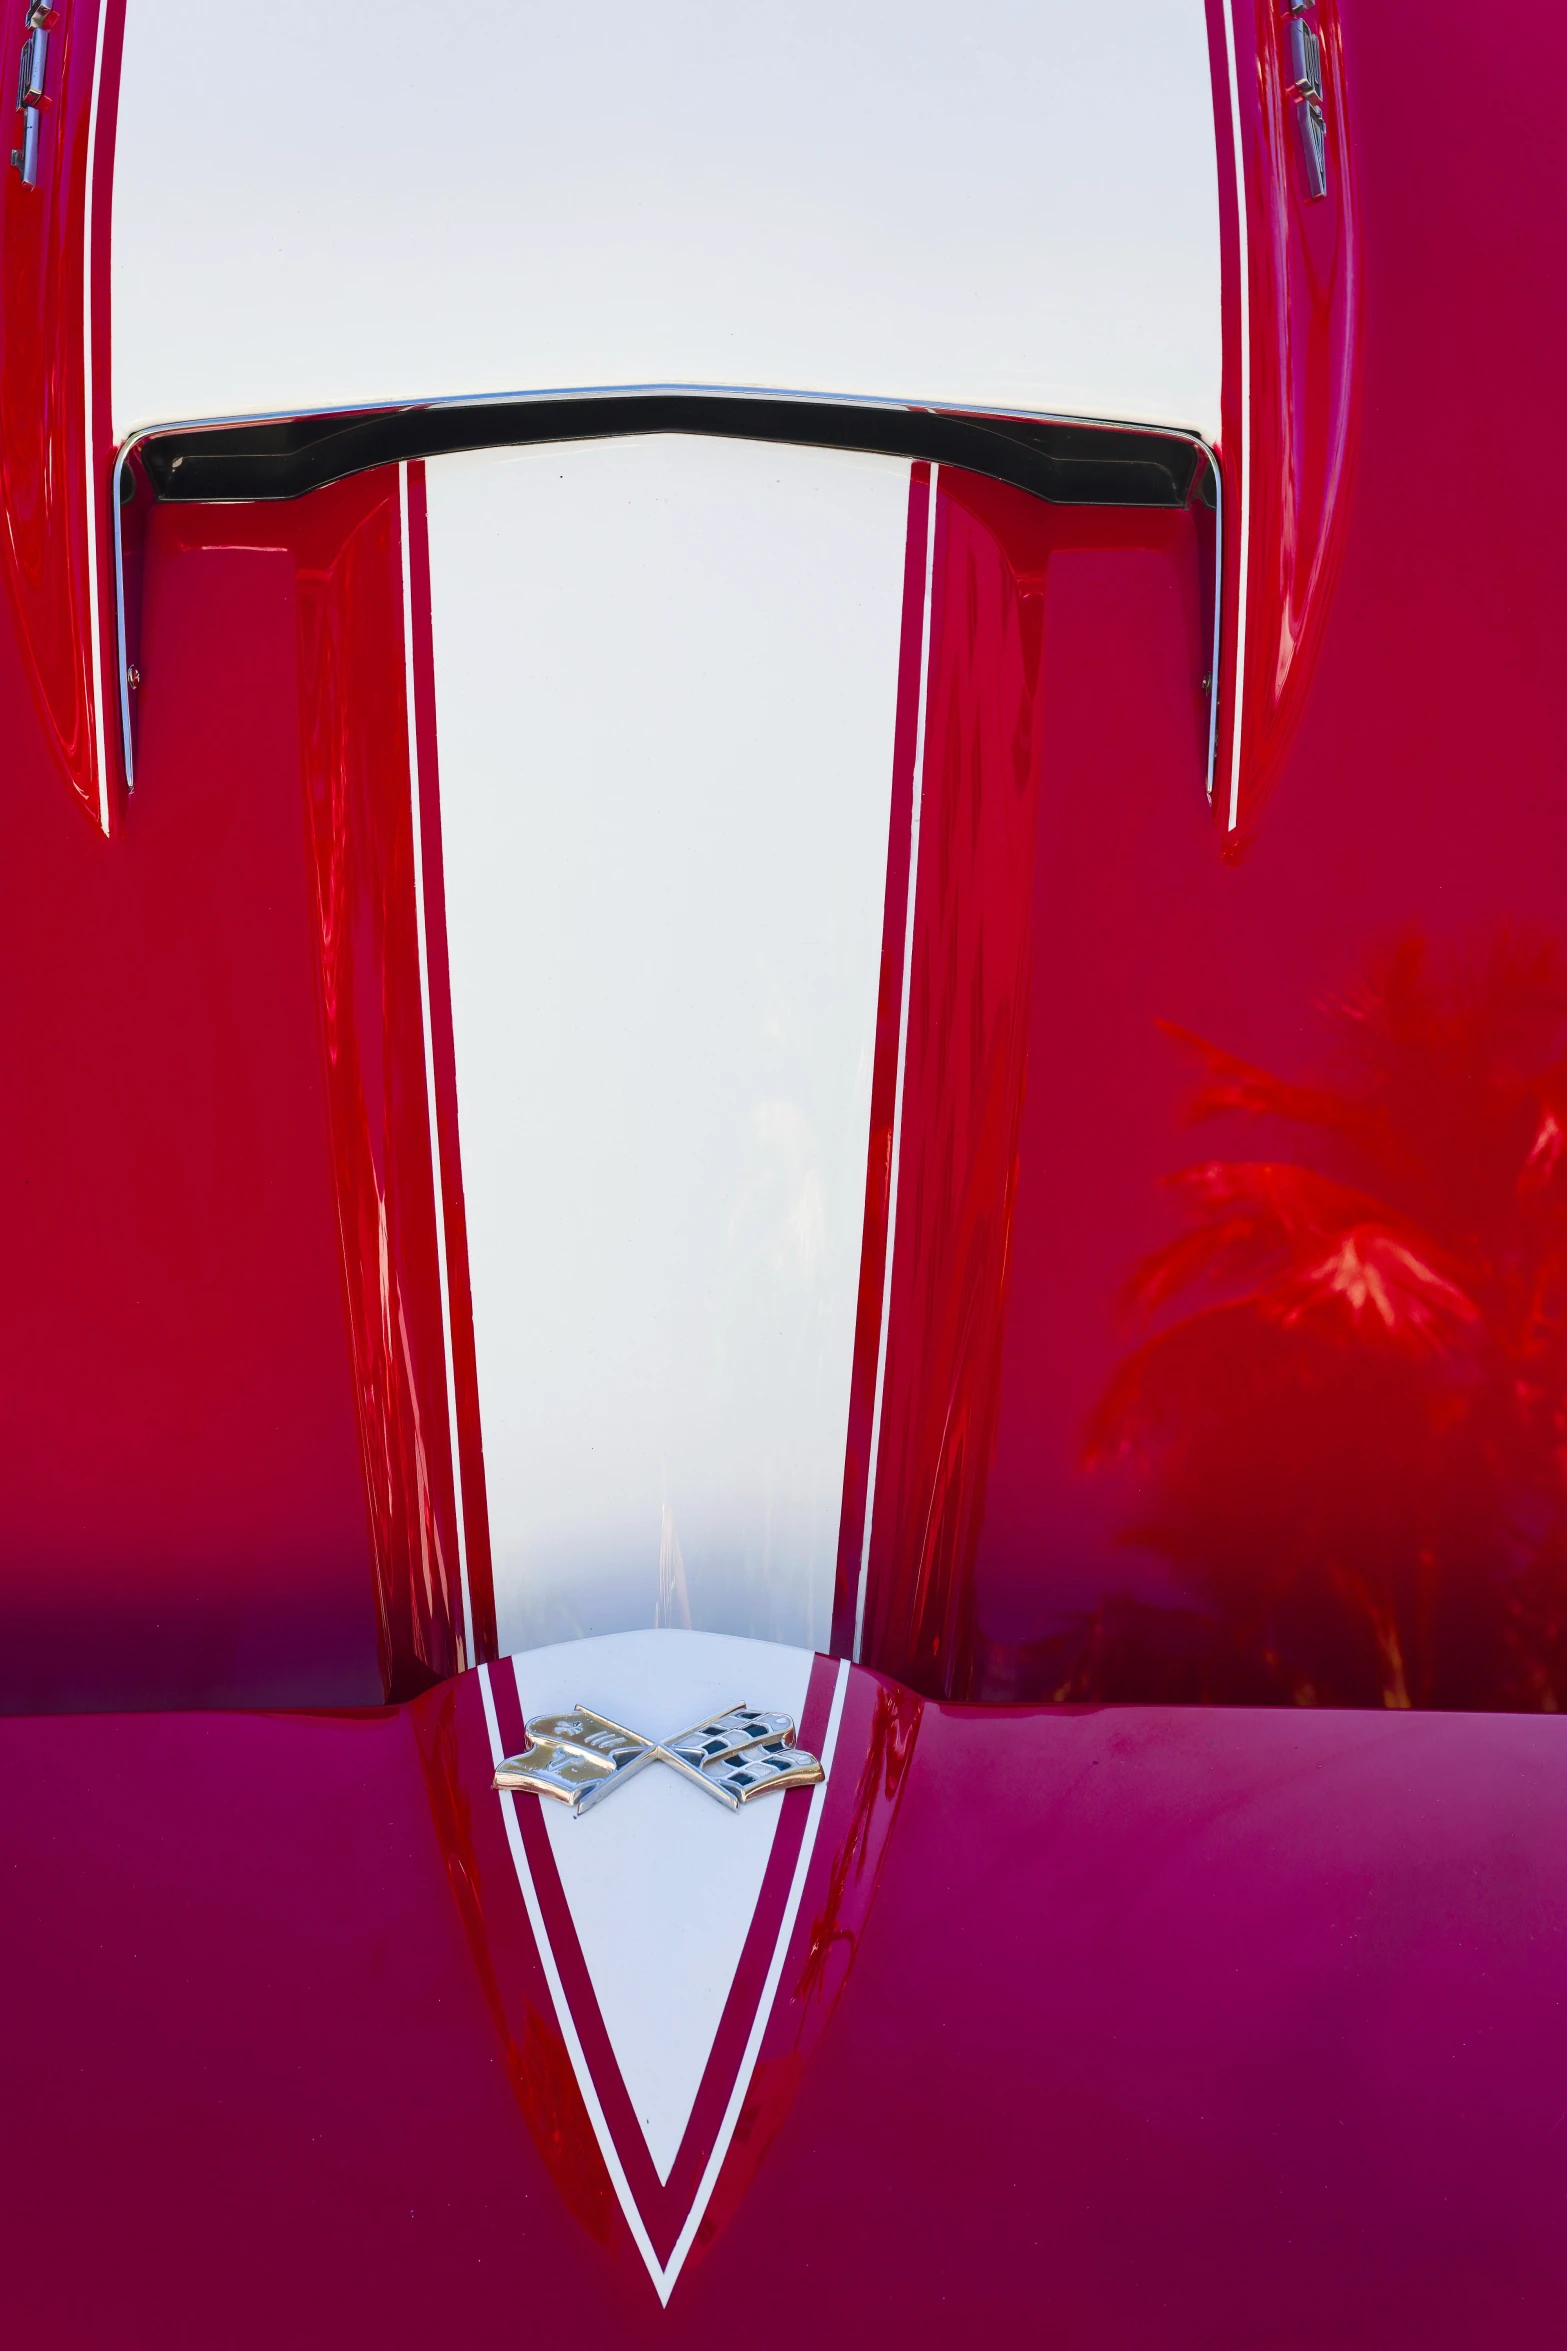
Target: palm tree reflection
(1348, 1425)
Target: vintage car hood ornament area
(580, 1757)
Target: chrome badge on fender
(734, 1756)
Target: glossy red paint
(1137, 2025)
(1189, 2028)
(237, 1065)
(179, 1401)
(992, 688)
(346, 546)
(55, 547)
(965, 1069)
(1291, 383)
(1419, 803)
(443, 1065)
(183, 1505)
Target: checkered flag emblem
(578, 1758)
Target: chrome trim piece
(30, 70)
(95, 613)
(1303, 60)
(580, 1758)
(1212, 680)
(1301, 66)
(161, 428)
(1243, 453)
(1312, 125)
(30, 73)
(126, 667)
(25, 158)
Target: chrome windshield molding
(1066, 460)
(1216, 486)
(117, 495)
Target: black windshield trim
(1066, 463)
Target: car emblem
(579, 1757)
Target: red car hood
(1127, 2026)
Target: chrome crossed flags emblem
(580, 1757)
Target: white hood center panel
(662, 1883)
(665, 681)
(1013, 204)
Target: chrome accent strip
(1303, 51)
(24, 159)
(1218, 619)
(30, 67)
(119, 618)
(1312, 125)
(888, 404)
(1243, 550)
(94, 540)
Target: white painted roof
(666, 674)
(1008, 205)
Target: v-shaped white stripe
(661, 1882)
(663, 1902)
